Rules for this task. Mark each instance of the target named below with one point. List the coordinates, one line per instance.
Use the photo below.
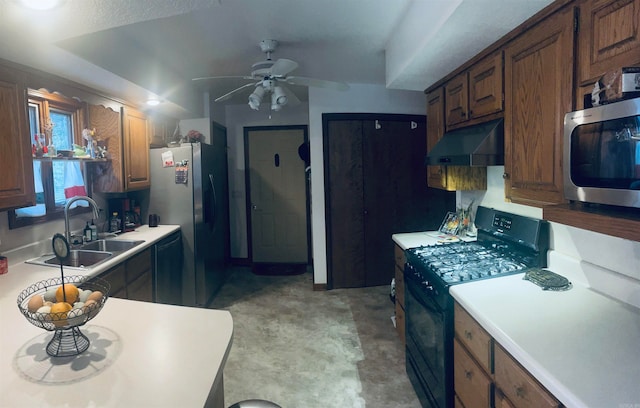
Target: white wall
(360, 98)
(202, 125)
(621, 256)
(238, 117)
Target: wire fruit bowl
(67, 340)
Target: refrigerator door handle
(215, 203)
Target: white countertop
(415, 239)
(141, 354)
(582, 346)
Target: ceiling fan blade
(318, 83)
(235, 91)
(221, 77)
(282, 67)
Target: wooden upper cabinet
(435, 130)
(16, 185)
(107, 177)
(136, 149)
(125, 134)
(457, 100)
(450, 178)
(476, 92)
(538, 93)
(485, 87)
(609, 37)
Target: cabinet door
(108, 177)
(518, 384)
(140, 277)
(472, 385)
(538, 93)
(457, 100)
(435, 130)
(609, 37)
(485, 87)
(136, 150)
(15, 154)
(116, 278)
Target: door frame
(247, 183)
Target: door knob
(254, 207)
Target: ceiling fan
(268, 78)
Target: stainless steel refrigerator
(198, 201)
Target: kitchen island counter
(141, 354)
(579, 344)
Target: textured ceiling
(137, 48)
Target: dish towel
(74, 183)
(39, 209)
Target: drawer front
(138, 264)
(399, 256)
(518, 385)
(474, 337)
(472, 385)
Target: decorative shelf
(619, 222)
(83, 159)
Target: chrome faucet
(96, 213)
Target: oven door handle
(425, 298)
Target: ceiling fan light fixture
(256, 97)
(279, 97)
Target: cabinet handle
(468, 374)
(520, 392)
(463, 114)
(505, 175)
(468, 334)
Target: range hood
(478, 145)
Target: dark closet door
(386, 148)
(375, 181)
(345, 230)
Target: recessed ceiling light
(153, 102)
(41, 4)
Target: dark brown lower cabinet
(374, 187)
(132, 279)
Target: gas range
(507, 244)
(460, 262)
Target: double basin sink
(89, 254)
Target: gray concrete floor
(300, 348)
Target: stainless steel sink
(89, 254)
(110, 245)
(78, 258)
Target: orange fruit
(59, 313)
(70, 290)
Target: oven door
(429, 329)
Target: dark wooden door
(345, 209)
(375, 188)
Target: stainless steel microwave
(602, 154)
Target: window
(55, 123)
